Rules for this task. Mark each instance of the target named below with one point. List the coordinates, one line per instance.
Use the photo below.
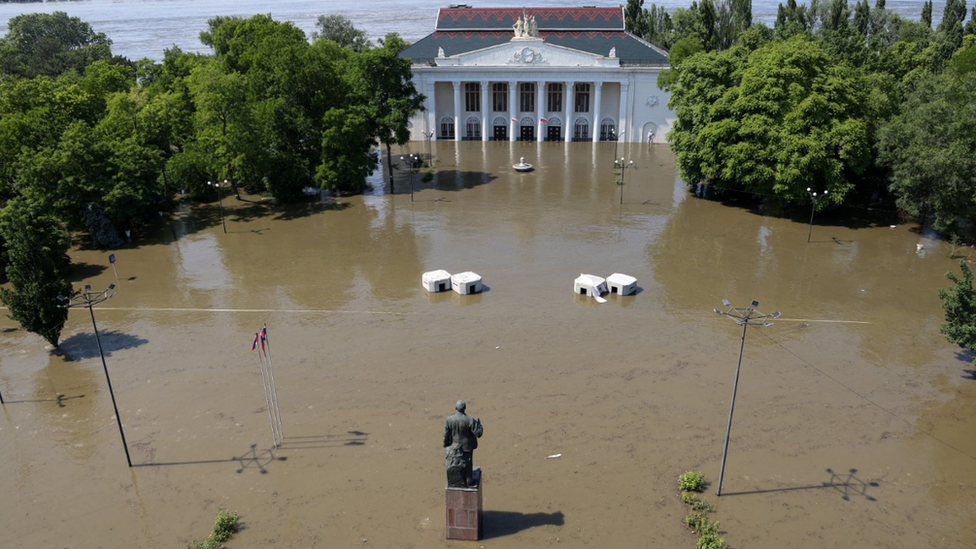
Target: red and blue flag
(254, 343)
(264, 337)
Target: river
(853, 422)
(145, 28)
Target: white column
(622, 122)
(512, 112)
(540, 97)
(597, 98)
(485, 111)
(568, 123)
(432, 108)
(457, 111)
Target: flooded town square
(854, 422)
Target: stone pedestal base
(464, 511)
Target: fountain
(522, 166)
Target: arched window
(608, 130)
(447, 128)
(555, 121)
(527, 121)
(500, 121)
(581, 130)
(472, 129)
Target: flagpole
(274, 387)
(272, 413)
(264, 385)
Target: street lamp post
(412, 158)
(745, 317)
(220, 204)
(89, 299)
(623, 169)
(814, 199)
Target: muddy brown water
(854, 422)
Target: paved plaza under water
(854, 422)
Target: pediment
(529, 53)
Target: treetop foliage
(41, 44)
(842, 97)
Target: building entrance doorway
(527, 133)
(501, 133)
(554, 133)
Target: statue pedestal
(464, 511)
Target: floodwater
(144, 28)
(853, 422)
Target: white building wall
(650, 111)
(645, 109)
(611, 102)
(444, 103)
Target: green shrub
(224, 525)
(692, 481)
(689, 498)
(697, 521)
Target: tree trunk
(389, 164)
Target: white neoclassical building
(557, 74)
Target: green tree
(741, 16)
(381, 81)
(635, 17)
(862, 17)
(791, 19)
(660, 30)
(37, 250)
(959, 304)
(347, 143)
(340, 30)
(787, 118)
(681, 50)
(927, 13)
(41, 44)
(930, 148)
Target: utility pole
(814, 199)
(745, 317)
(89, 299)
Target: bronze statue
(461, 434)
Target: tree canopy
(852, 99)
(37, 249)
(42, 44)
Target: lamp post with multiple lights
(623, 168)
(412, 159)
(89, 299)
(745, 317)
(220, 204)
(814, 198)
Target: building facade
(555, 74)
